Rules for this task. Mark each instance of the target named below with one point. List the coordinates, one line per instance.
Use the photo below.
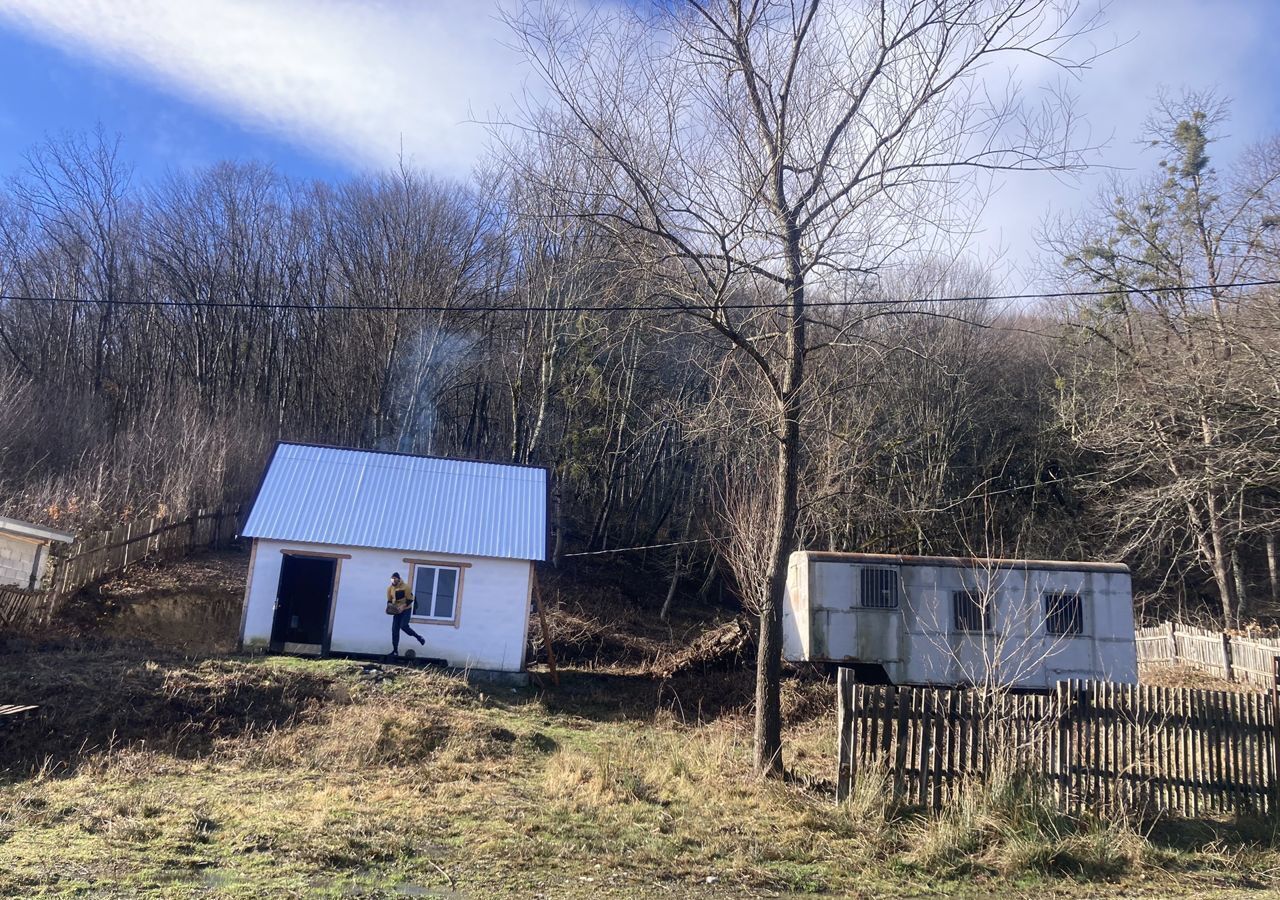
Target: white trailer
(952, 621)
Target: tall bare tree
(747, 153)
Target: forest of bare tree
(736, 339)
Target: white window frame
(416, 565)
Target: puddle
(409, 889)
(220, 878)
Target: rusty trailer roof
(964, 562)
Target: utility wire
(646, 547)
(661, 307)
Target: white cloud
(348, 79)
(353, 78)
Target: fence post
(1173, 643)
(1274, 701)
(1227, 668)
(128, 545)
(1062, 762)
(844, 746)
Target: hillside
(173, 777)
(161, 771)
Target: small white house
(944, 620)
(24, 551)
(330, 525)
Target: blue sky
(318, 87)
(326, 88)
(52, 91)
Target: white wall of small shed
(493, 613)
(917, 643)
(17, 557)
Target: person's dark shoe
(392, 656)
(422, 642)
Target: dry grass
(279, 777)
(1171, 675)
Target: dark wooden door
(304, 599)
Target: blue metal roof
(363, 498)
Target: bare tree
(745, 154)
(1175, 376)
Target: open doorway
(304, 599)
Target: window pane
(972, 611)
(1063, 614)
(446, 587)
(424, 580)
(879, 588)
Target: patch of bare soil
(623, 662)
(600, 617)
(192, 605)
(94, 700)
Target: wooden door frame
(326, 641)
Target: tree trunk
(768, 721)
(1221, 573)
(704, 592)
(1210, 543)
(1242, 597)
(557, 554)
(671, 591)
(768, 724)
(550, 357)
(1273, 568)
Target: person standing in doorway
(400, 605)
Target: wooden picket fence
(19, 606)
(1233, 657)
(109, 552)
(159, 538)
(1117, 749)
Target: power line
(649, 307)
(645, 547)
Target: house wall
(917, 643)
(493, 611)
(17, 556)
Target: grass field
(164, 776)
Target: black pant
(399, 623)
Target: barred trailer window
(1063, 613)
(972, 610)
(879, 588)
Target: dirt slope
(192, 605)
